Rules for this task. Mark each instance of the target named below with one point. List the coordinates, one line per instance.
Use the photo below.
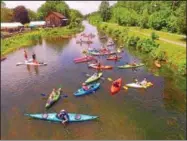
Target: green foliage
(75, 16)
(147, 45)
(104, 9)
(154, 36)
(132, 41)
(6, 14)
(32, 15)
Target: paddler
(34, 58)
(64, 116)
(25, 55)
(84, 87)
(144, 82)
(116, 84)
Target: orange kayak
(95, 66)
(115, 89)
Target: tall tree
(32, 15)
(104, 9)
(21, 15)
(6, 13)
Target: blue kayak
(92, 88)
(73, 117)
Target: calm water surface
(136, 114)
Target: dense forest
(167, 16)
(24, 15)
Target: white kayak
(31, 63)
(138, 85)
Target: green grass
(27, 39)
(169, 36)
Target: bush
(147, 45)
(154, 36)
(132, 41)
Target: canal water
(155, 113)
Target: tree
(32, 15)
(74, 15)
(144, 19)
(21, 15)
(104, 9)
(6, 14)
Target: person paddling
(64, 116)
(25, 55)
(34, 58)
(84, 87)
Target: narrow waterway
(133, 114)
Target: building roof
(11, 25)
(37, 23)
(59, 15)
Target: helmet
(83, 84)
(63, 111)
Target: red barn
(55, 19)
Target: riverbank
(173, 55)
(27, 39)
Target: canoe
(135, 85)
(56, 98)
(31, 63)
(84, 59)
(93, 78)
(114, 58)
(73, 117)
(95, 66)
(92, 89)
(114, 89)
(130, 66)
(101, 53)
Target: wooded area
(167, 16)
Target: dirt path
(163, 39)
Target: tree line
(167, 16)
(25, 15)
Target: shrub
(132, 41)
(147, 45)
(154, 36)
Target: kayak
(110, 44)
(31, 63)
(84, 59)
(130, 66)
(95, 66)
(92, 88)
(115, 89)
(50, 101)
(80, 42)
(103, 37)
(114, 58)
(135, 85)
(157, 64)
(73, 117)
(93, 78)
(101, 53)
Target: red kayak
(114, 88)
(84, 59)
(114, 58)
(95, 66)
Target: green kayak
(94, 77)
(55, 98)
(130, 66)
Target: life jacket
(62, 115)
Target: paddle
(125, 87)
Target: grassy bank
(27, 39)
(174, 55)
